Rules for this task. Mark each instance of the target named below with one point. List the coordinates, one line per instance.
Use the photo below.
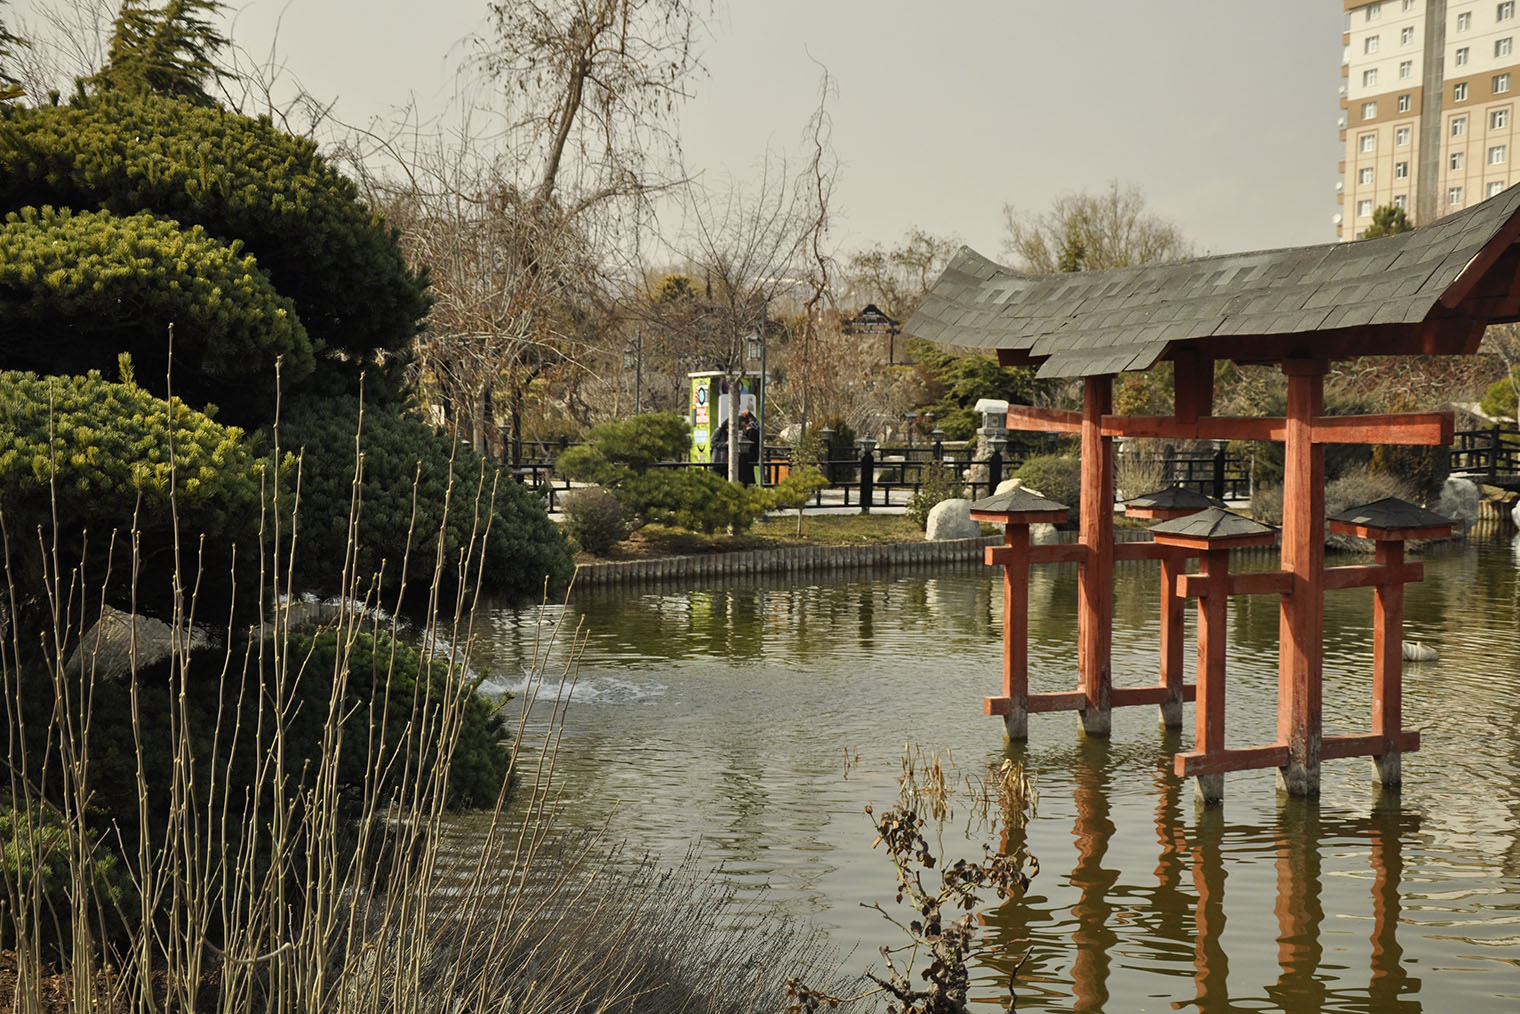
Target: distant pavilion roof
(1428, 291)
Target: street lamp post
(633, 359)
(756, 351)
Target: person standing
(749, 447)
(719, 447)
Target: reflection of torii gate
(1427, 292)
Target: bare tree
(69, 41)
(741, 245)
(1084, 231)
(896, 278)
(518, 209)
(817, 184)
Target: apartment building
(1427, 107)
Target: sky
(1223, 113)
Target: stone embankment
(810, 560)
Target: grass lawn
(768, 533)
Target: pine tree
(1387, 221)
(169, 51)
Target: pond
(758, 718)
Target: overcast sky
(1223, 113)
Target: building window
(1369, 78)
(1409, 5)
(1406, 35)
(1369, 110)
(1504, 46)
(1404, 103)
(1401, 136)
(1370, 45)
(1401, 170)
(1459, 126)
(1454, 196)
(1373, 12)
(1364, 175)
(1459, 92)
(1458, 159)
(1498, 119)
(1460, 56)
(1496, 188)
(1498, 154)
(1406, 69)
(1464, 21)
(1506, 11)
(1369, 143)
(1363, 209)
(1401, 201)
(1501, 84)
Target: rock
(1459, 501)
(1419, 651)
(1009, 485)
(1514, 515)
(951, 519)
(1041, 534)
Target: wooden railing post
(1301, 616)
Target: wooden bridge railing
(1493, 453)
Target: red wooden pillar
(1213, 635)
(1389, 523)
(1171, 504)
(1016, 509)
(1016, 631)
(1301, 613)
(1388, 664)
(1095, 583)
(1173, 615)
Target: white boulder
(951, 519)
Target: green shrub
(241, 180)
(1499, 401)
(616, 451)
(692, 498)
(36, 847)
(110, 282)
(595, 519)
(940, 483)
(1056, 478)
(392, 684)
(794, 492)
(406, 501)
(89, 460)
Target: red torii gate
(1431, 291)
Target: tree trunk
(733, 429)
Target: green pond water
(721, 716)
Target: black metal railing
(1492, 453)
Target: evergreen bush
(1055, 477)
(594, 518)
(417, 482)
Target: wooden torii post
(1168, 505)
(1431, 291)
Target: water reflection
(1182, 911)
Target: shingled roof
(1431, 290)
